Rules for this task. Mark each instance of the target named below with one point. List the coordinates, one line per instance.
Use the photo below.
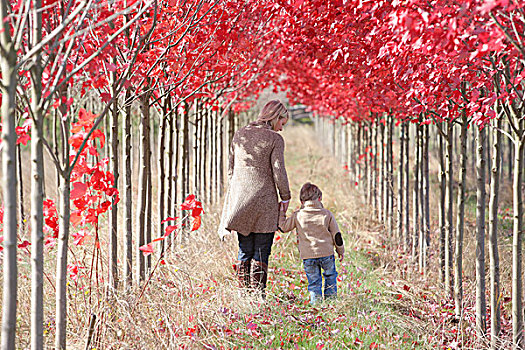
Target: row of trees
(377, 65)
(75, 73)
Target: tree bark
(37, 190)
(442, 208)
(426, 195)
(400, 186)
(113, 228)
(143, 185)
(161, 194)
(61, 273)
(406, 165)
(128, 200)
(481, 306)
(449, 200)
(517, 269)
(495, 295)
(458, 271)
(415, 194)
(9, 137)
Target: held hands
(341, 257)
(283, 207)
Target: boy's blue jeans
(313, 267)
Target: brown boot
(242, 271)
(259, 276)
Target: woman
(255, 169)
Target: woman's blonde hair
(272, 111)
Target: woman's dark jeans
(256, 246)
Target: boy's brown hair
(310, 192)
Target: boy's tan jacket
(317, 230)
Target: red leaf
(24, 244)
(405, 287)
(374, 345)
(168, 219)
(146, 249)
(196, 223)
(79, 189)
(170, 229)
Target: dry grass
(192, 301)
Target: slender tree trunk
(426, 195)
(37, 191)
(220, 159)
(382, 213)
(63, 237)
(169, 181)
(149, 210)
(406, 165)
(517, 270)
(8, 89)
(143, 186)
(20, 182)
(358, 163)
(400, 185)
(113, 228)
(366, 181)
(415, 194)
(128, 200)
(495, 295)
(197, 126)
(442, 208)
(390, 174)
(458, 271)
(374, 167)
(449, 199)
(481, 305)
(161, 194)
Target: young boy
(317, 235)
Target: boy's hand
(341, 257)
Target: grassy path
(365, 315)
(193, 301)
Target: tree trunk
(406, 165)
(442, 208)
(161, 194)
(220, 158)
(128, 200)
(359, 159)
(415, 194)
(143, 185)
(61, 273)
(495, 308)
(481, 306)
(37, 191)
(197, 126)
(170, 164)
(9, 82)
(426, 195)
(390, 174)
(113, 228)
(400, 185)
(449, 200)
(517, 271)
(458, 271)
(382, 213)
